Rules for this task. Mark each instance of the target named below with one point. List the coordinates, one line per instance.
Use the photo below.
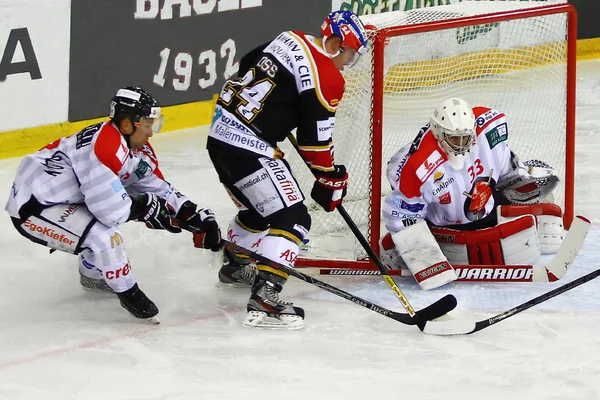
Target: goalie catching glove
(202, 223)
(154, 211)
(330, 187)
(531, 183)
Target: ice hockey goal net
(510, 56)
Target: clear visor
(154, 123)
(458, 142)
(351, 56)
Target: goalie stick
(422, 318)
(367, 247)
(551, 271)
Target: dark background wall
(588, 16)
(110, 48)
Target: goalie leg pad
(551, 231)
(423, 256)
(389, 255)
(509, 243)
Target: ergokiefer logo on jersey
(434, 160)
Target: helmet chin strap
(324, 48)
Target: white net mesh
(516, 66)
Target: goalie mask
(347, 26)
(453, 125)
(135, 103)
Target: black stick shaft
(535, 301)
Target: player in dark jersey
(292, 82)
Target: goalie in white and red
(461, 196)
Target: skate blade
(258, 319)
(154, 320)
(97, 290)
(222, 285)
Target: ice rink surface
(60, 342)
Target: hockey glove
(155, 212)
(202, 223)
(330, 188)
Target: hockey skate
(139, 305)
(94, 285)
(266, 310)
(236, 271)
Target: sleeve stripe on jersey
(315, 148)
(322, 99)
(319, 160)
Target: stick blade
(441, 307)
(449, 327)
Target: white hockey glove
(528, 185)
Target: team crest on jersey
(479, 196)
(497, 135)
(142, 169)
(445, 198)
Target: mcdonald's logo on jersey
(116, 240)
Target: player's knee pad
(549, 218)
(105, 252)
(243, 230)
(512, 242)
(282, 242)
(61, 227)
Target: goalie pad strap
(533, 209)
(549, 221)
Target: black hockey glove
(330, 188)
(155, 212)
(202, 223)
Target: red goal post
(516, 58)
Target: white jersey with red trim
(95, 167)
(426, 187)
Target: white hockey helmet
(453, 125)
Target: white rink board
(27, 102)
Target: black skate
(266, 310)
(139, 305)
(236, 271)
(94, 285)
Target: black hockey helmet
(135, 103)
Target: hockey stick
(552, 271)
(443, 306)
(419, 318)
(458, 327)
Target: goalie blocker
(522, 234)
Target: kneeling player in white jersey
(461, 196)
(73, 194)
